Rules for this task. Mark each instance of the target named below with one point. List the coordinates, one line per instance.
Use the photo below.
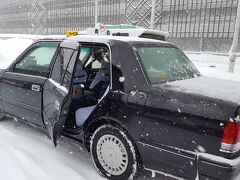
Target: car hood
(211, 87)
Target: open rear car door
(56, 92)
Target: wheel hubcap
(112, 154)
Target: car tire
(114, 153)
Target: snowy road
(27, 153)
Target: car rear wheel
(114, 154)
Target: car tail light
(231, 136)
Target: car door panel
(54, 95)
(22, 83)
(19, 99)
(56, 101)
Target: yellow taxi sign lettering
(71, 33)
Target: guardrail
(211, 53)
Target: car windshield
(166, 64)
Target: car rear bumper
(187, 164)
(216, 168)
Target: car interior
(91, 80)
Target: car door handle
(35, 87)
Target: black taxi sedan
(134, 103)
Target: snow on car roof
(113, 38)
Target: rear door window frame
(105, 45)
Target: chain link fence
(209, 21)
(200, 18)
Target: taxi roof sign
(100, 29)
(121, 30)
(71, 33)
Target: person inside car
(78, 98)
(102, 78)
(84, 101)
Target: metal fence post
(153, 14)
(233, 50)
(96, 11)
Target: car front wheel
(114, 153)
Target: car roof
(105, 38)
(108, 39)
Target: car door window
(61, 64)
(37, 61)
(69, 71)
(85, 51)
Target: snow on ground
(215, 66)
(27, 154)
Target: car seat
(101, 80)
(82, 114)
(80, 78)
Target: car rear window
(166, 64)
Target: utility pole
(153, 14)
(233, 50)
(96, 11)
